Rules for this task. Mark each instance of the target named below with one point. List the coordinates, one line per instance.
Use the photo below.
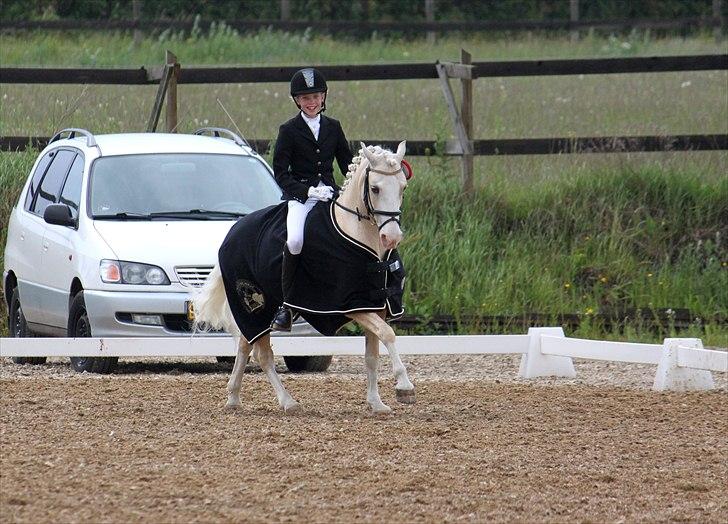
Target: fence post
(159, 99)
(463, 146)
(430, 17)
(365, 10)
(285, 10)
(136, 10)
(718, 20)
(171, 120)
(466, 111)
(574, 17)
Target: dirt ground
(153, 443)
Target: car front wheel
(80, 326)
(18, 328)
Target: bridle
(371, 212)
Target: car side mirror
(59, 215)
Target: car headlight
(120, 272)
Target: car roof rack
(219, 131)
(90, 139)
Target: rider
(303, 166)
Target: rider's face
(311, 103)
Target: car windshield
(189, 186)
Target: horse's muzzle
(390, 237)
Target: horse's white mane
(355, 161)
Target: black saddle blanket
(336, 273)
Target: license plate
(190, 311)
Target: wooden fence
(412, 71)
(171, 74)
(362, 28)
(492, 147)
(660, 321)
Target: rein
(371, 212)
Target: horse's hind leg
(374, 323)
(264, 354)
(371, 359)
(236, 377)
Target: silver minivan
(112, 232)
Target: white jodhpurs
(294, 223)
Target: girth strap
(379, 294)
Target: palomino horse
(367, 210)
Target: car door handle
(45, 246)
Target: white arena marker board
(601, 350)
(671, 376)
(199, 346)
(534, 363)
(707, 359)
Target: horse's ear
(401, 150)
(367, 153)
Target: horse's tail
(211, 308)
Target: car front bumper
(112, 314)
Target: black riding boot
(284, 316)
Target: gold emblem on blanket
(252, 297)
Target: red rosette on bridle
(407, 169)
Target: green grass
(548, 234)
(639, 104)
(225, 46)
(579, 245)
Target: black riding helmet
(308, 80)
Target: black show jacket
(300, 161)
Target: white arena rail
(602, 350)
(707, 359)
(682, 363)
(200, 346)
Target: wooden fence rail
(410, 71)
(657, 320)
(492, 147)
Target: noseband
(371, 212)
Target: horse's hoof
(292, 408)
(406, 396)
(233, 406)
(381, 409)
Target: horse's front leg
(264, 354)
(236, 377)
(371, 359)
(376, 324)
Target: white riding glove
(323, 193)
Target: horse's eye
(375, 190)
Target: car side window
(50, 186)
(71, 194)
(37, 177)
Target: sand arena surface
(153, 443)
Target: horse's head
(382, 186)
